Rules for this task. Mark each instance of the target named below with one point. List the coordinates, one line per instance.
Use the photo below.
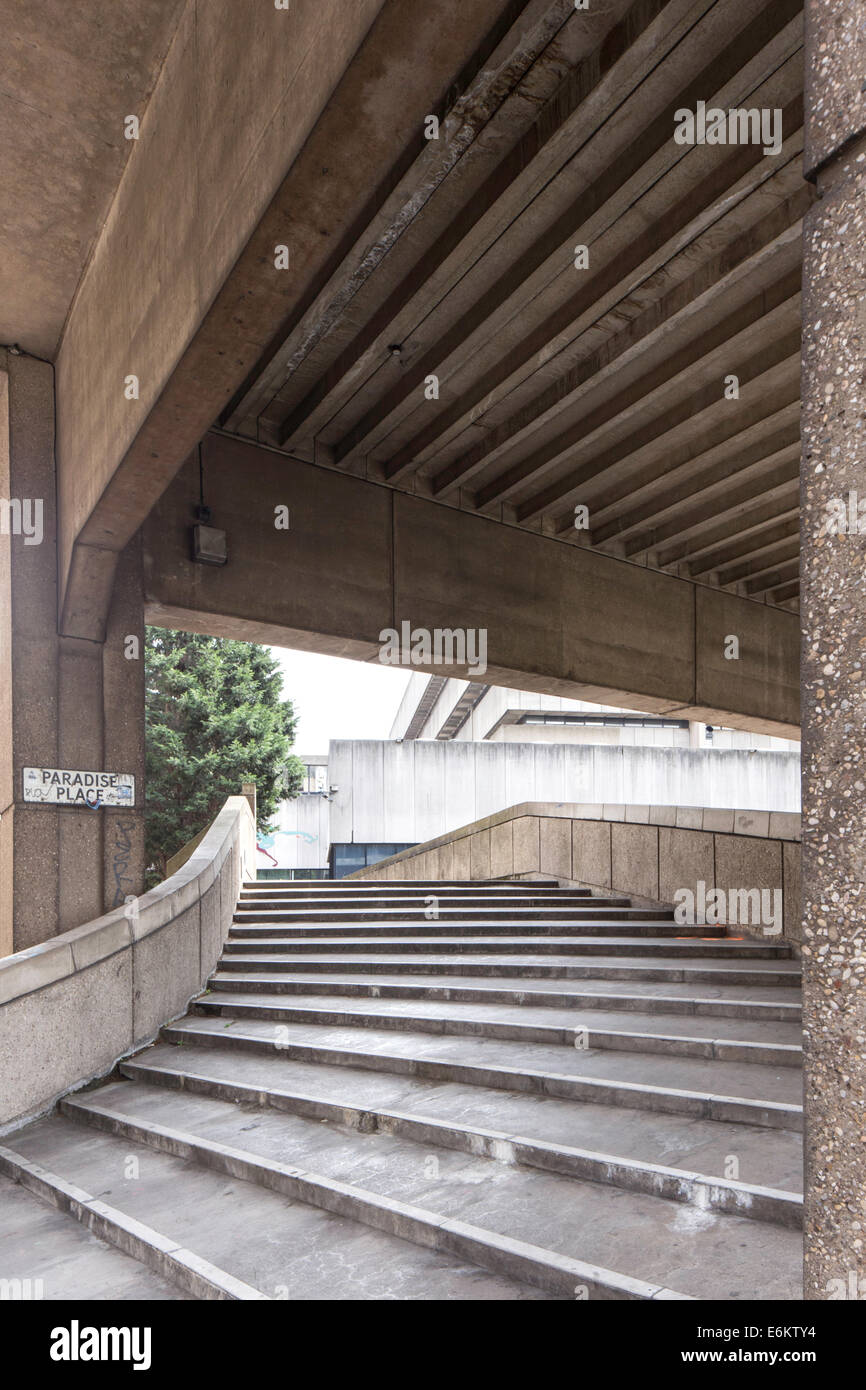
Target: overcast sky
(339, 699)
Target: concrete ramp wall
(74, 1005)
(649, 853)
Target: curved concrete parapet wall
(649, 853)
(74, 1005)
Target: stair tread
(771, 994)
(457, 915)
(678, 1025)
(268, 1240)
(421, 927)
(40, 1242)
(771, 1158)
(745, 1080)
(658, 1241)
(421, 899)
(552, 961)
(719, 949)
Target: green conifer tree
(215, 719)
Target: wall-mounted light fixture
(209, 545)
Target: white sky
(335, 698)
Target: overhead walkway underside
(545, 383)
(583, 288)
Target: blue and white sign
(57, 786)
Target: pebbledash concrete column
(834, 651)
(64, 703)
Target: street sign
(55, 786)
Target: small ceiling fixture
(209, 546)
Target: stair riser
(707, 1008)
(671, 1102)
(602, 916)
(243, 931)
(594, 1039)
(413, 900)
(731, 1199)
(645, 973)
(388, 885)
(466, 946)
(514, 1259)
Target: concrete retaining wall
(72, 1006)
(646, 852)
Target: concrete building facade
(387, 795)
(470, 711)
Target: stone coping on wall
(74, 1004)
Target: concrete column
(248, 790)
(64, 702)
(834, 652)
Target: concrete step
(777, 1044)
(736, 1091)
(720, 1002)
(671, 969)
(45, 1255)
(322, 1098)
(525, 946)
(372, 902)
(385, 885)
(369, 1103)
(468, 914)
(197, 1277)
(243, 929)
(668, 1246)
(274, 1240)
(716, 1149)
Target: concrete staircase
(457, 1090)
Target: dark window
(347, 859)
(595, 721)
(292, 873)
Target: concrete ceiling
(70, 74)
(606, 385)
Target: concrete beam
(633, 199)
(361, 557)
(768, 380)
(749, 552)
(477, 203)
(767, 249)
(215, 183)
(456, 182)
(721, 481)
